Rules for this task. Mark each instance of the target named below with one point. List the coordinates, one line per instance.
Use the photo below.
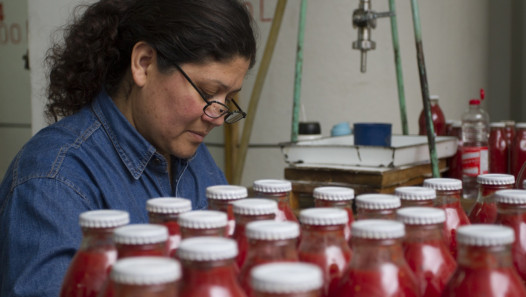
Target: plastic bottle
(197, 223)
(485, 210)
(221, 197)
(279, 191)
(416, 196)
(498, 148)
(377, 206)
(518, 152)
(439, 121)
(338, 197)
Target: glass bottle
(485, 210)
(146, 277)
(518, 151)
(377, 206)
(497, 148)
(323, 244)
(484, 263)
(208, 267)
(246, 211)
(220, 198)
(203, 223)
(279, 191)
(165, 211)
(287, 280)
(425, 248)
(378, 267)
(437, 116)
(92, 262)
(416, 196)
(338, 197)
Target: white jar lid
(520, 125)
(421, 215)
(324, 216)
(104, 218)
(377, 229)
(495, 179)
(168, 205)
(443, 184)
(485, 235)
(207, 248)
(203, 219)
(511, 196)
(226, 192)
(415, 193)
(377, 201)
(137, 234)
(286, 278)
(142, 271)
(272, 186)
(333, 193)
(497, 125)
(255, 206)
(272, 230)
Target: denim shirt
(93, 159)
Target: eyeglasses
(215, 109)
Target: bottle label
(474, 161)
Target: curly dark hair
(97, 46)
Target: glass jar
(92, 262)
(485, 210)
(425, 248)
(484, 263)
(378, 267)
(323, 244)
(165, 211)
(279, 191)
(146, 277)
(377, 206)
(246, 211)
(286, 280)
(203, 223)
(220, 198)
(518, 150)
(338, 197)
(208, 267)
(437, 117)
(416, 196)
(498, 148)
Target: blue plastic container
(378, 134)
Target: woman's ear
(142, 60)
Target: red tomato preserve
(485, 210)
(287, 280)
(425, 249)
(485, 265)
(246, 211)
(146, 277)
(498, 148)
(279, 191)
(378, 267)
(377, 206)
(437, 116)
(338, 197)
(221, 197)
(92, 262)
(518, 150)
(203, 223)
(416, 196)
(165, 211)
(208, 267)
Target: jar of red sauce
(518, 150)
(203, 223)
(268, 241)
(165, 211)
(279, 191)
(511, 212)
(220, 198)
(484, 263)
(287, 280)
(455, 162)
(416, 196)
(498, 148)
(246, 211)
(485, 210)
(146, 276)
(425, 248)
(208, 267)
(338, 197)
(437, 117)
(377, 206)
(91, 264)
(323, 244)
(378, 267)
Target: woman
(137, 85)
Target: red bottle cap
(474, 102)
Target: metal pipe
(298, 74)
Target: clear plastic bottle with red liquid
(323, 244)
(286, 280)
(91, 265)
(518, 151)
(416, 196)
(279, 191)
(146, 277)
(246, 211)
(485, 209)
(425, 248)
(338, 197)
(377, 206)
(498, 148)
(197, 223)
(209, 269)
(484, 263)
(455, 162)
(437, 116)
(378, 267)
(220, 198)
(165, 211)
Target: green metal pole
(298, 73)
